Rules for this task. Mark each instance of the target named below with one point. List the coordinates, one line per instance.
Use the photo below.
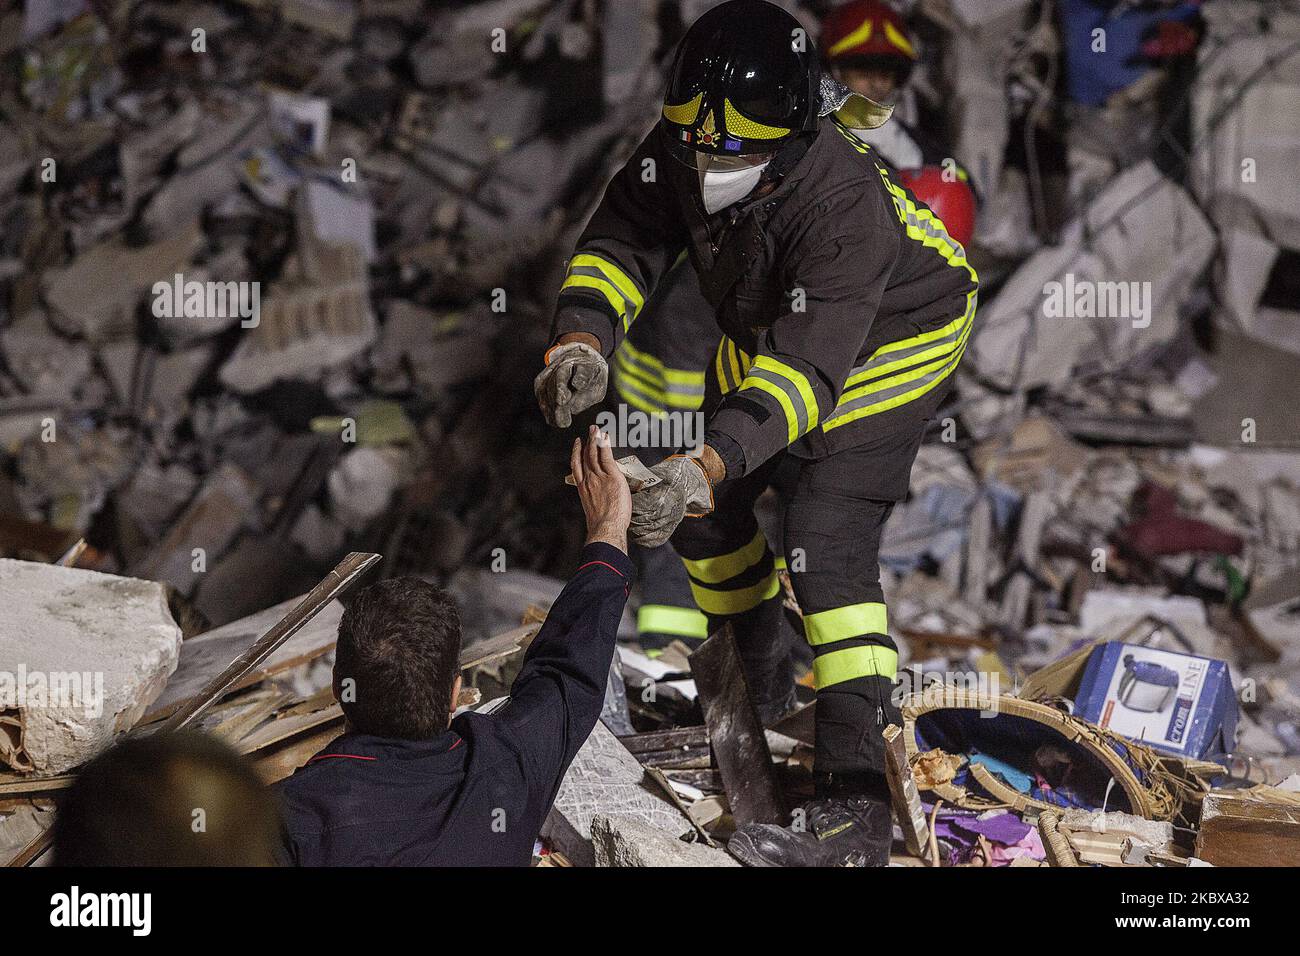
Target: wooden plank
(282, 759)
(707, 780)
(692, 758)
(800, 725)
(1238, 831)
(23, 787)
(496, 648)
(739, 744)
(902, 787)
(666, 739)
(203, 657)
(278, 731)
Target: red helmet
(868, 30)
(952, 200)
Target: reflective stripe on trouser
(732, 575)
(727, 558)
(840, 658)
(837, 536)
(671, 621)
(733, 581)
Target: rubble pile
(1094, 582)
(276, 276)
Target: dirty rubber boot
(765, 659)
(839, 831)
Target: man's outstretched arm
(557, 697)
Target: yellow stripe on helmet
(861, 35)
(738, 125)
(683, 114)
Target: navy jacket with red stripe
(476, 795)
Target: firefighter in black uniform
(845, 306)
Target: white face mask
(723, 182)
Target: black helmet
(744, 80)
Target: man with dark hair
(180, 799)
(395, 669)
(406, 784)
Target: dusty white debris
(82, 655)
(621, 841)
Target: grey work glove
(683, 490)
(574, 379)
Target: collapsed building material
(605, 780)
(203, 657)
(1066, 305)
(1023, 754)
(621, 841)
(84, 655)
(96, 296)
(902, 789)
(307, 325)
(736, 732)
(1240, 829)
(203, 532)
(1105, 838)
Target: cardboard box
(1179, 703)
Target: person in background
(868, 47)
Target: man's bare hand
(606, 498)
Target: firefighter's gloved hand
(574, 379)
(683, 490)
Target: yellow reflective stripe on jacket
(904, 370)
(669, 619)
(717, 569)
(628, 392)
(730, 363)
(791, 389)
(676, 376)
(851, 662)
(923, 226)
(737, 600)
(655, 400)
(911, 351)
(885, 394)
(853, 620)
(594, 272)
(666, 388)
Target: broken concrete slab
(95, 297)
(1104, 293)
(624, 842)
(204, 530)
(605, 780)
(83, 655)
(307, 324)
